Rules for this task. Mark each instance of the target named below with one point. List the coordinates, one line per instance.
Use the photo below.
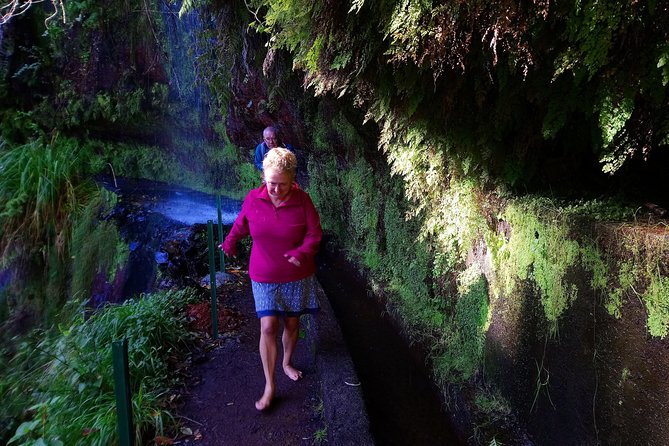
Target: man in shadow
(270, 140)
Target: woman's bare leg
(269, 326)
(291, 331)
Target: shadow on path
(220, 404)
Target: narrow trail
(219, 408)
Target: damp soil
(403, 404)
(218, 402)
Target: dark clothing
(261, 151)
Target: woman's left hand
(292, 260)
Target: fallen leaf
(162, 441)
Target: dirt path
(219, 408)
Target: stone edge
(344, 409)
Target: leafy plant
(96, 246)
(320, 436)
(64, 375)
(656, 299)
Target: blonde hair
(282, 160)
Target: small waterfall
(184, 50)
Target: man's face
(270, 139)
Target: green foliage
(40, 190)
(189, 5)
(298, 12)
(584, 85)
(592, 260)
(314, 53)
(627, 277)
(607, 210)
(249, 176)
(140, 161)
(325, 191)
(491, 403)
(365, 208)
(656, 299)
(65, 375)
(462, 353)
(540, 249)
(320, 436)
(96, 246)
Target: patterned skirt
(290, 299)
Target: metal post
(212, 279)
(122, 391)
(220, 233)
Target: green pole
(122, 391)
(212, 279)
(220, 233)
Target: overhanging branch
(13, 8)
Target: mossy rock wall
(599, 379)
(548, 317)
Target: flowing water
(179, 204)
(148, 214)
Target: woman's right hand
(229, 252)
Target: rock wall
(599, 379)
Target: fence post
(122, 392)
(220, 232)
(212, 279)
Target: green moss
(365, 208)
(627, 277)
(491, 403)
(325, 189)
(96, 248)
(313, 54)
(465, 335)
(656, 298)
(592, 260)
(541, 250)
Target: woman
(286, 231)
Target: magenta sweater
(292, 228)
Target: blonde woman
(286, 231)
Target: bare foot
(292, 373)
(265, 400)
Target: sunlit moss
(656, 299)
(540, 249)
(325, 190)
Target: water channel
(404, 406)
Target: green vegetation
(320, 436)
(656, 298)
(41, 189)
(64, 374)
(540, 250)
(462, 353)
(503, 100)
(96, 247)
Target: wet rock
(161, 257)
(221, 278)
